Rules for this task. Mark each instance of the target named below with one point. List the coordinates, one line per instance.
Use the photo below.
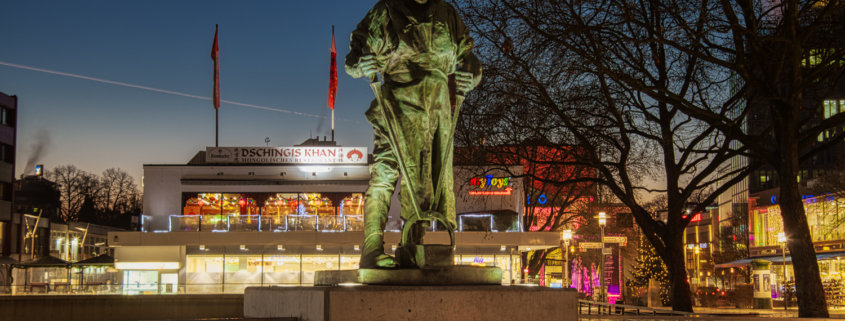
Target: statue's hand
(463, 80)
(368, 65)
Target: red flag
(333, 74)
(216, 97)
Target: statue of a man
(417, 46)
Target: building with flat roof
(234, 217)
(8, 133)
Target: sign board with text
(287, 155)
(590, 245)
(615, 239)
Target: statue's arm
(467, 61)
(368, 39)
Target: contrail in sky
(164, 91)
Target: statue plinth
(400, 302)
(446, 275)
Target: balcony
(319, 223)
(258, 223)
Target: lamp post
(697, 251)
(602, 222)
(565, 236)
(782, 241)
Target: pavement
(835, 313)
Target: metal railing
(321, 223)
(586, 307)
(265, 223)
(130, 289)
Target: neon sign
(499, 186)
(695, 218)
(490, 181)
(542, 199)
(505, 192)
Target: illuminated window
(816, 56)
(832, 107)
(281, 204)
(352, 205)
(210, 203)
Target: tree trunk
(808, 283)
(681, 295)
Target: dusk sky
(274, 55)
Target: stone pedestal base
(450, 275)
(436, 303)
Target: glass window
(477, 260)
(282, 269)
(210, 204)
(204, 273)
(315, 204)
(241, 271)
(349, 262)
(281, 204)
(352, 205)
(313, 263)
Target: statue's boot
(376, 205)
(373, 256)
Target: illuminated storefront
(235, 217)
(826, 218)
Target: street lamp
(565, 236)
(602, 222)
(697, 251)
(782, 241)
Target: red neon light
(507, 191)
(695, 218)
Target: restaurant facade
(234, 217)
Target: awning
(44, 261)
(5, 260)
(778, 259)
(102, 260)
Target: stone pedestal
(436, 303)
(447, 275)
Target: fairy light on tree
(648, 266)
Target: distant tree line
(109, 199)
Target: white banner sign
(615, 239)
(590, 245)
(286, 155)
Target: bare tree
(580, 73)
(118, 192)
(783, 57)
(102, 199)
(74, 185)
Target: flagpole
(215, 99)
(335, 76)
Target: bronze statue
(417, 46)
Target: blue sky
(273, 54)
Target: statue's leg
(442, 151)
(383, 176)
